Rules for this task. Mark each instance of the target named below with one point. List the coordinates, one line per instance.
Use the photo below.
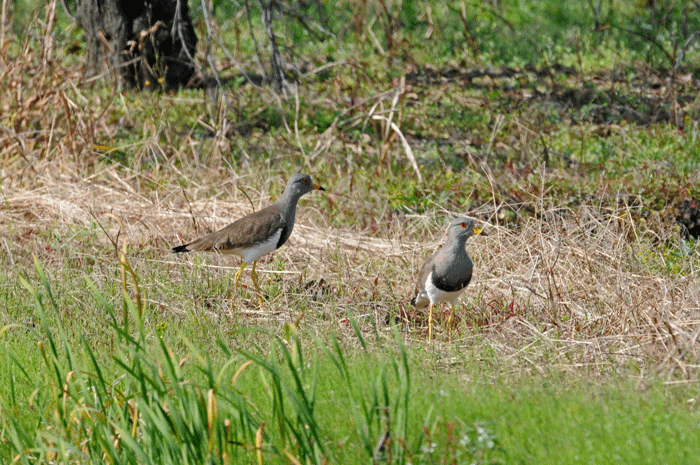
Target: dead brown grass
(566, 289)
(575, 281)
(46, 116)
(570, 288)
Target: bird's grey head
(300, 184)
(463, 227)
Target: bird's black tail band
(180, 249)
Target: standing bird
(259, 233)
(446, 274)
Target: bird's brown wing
(246, 232)
(420, 282)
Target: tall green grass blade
(101, 389)
(357, 331)
(19, 440)
(15, 362)
(296, 424)
(54, 305)
(45, 282)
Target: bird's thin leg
(254, 277)
(430, 323)
(238, 275)
(236, 278)
(449, 324)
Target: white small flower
(429, 448)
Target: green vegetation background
(515, 111)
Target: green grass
(80, 393)
(314, 401)
(575, 342)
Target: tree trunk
(148, 43)
(278, 77)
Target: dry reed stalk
(46, 126)
(574, 282)
(566, 290)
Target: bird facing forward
(448, 271)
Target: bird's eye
(462, 225)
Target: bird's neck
(456, 245)
(288, 203)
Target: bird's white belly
(436, 295)
(252, 254)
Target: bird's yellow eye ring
(462, 225)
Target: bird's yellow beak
(479, 231)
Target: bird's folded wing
(246, 232)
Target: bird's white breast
(436, 295)
(252, 254)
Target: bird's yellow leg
(430, 323)
(236, 278)
(449, 324)
(254, 277)
(238, 275)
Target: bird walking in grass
(258, 233)
(446, 274)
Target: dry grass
(565, 289)
(570, 288)
(573, 281)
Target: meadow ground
(575, 343)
